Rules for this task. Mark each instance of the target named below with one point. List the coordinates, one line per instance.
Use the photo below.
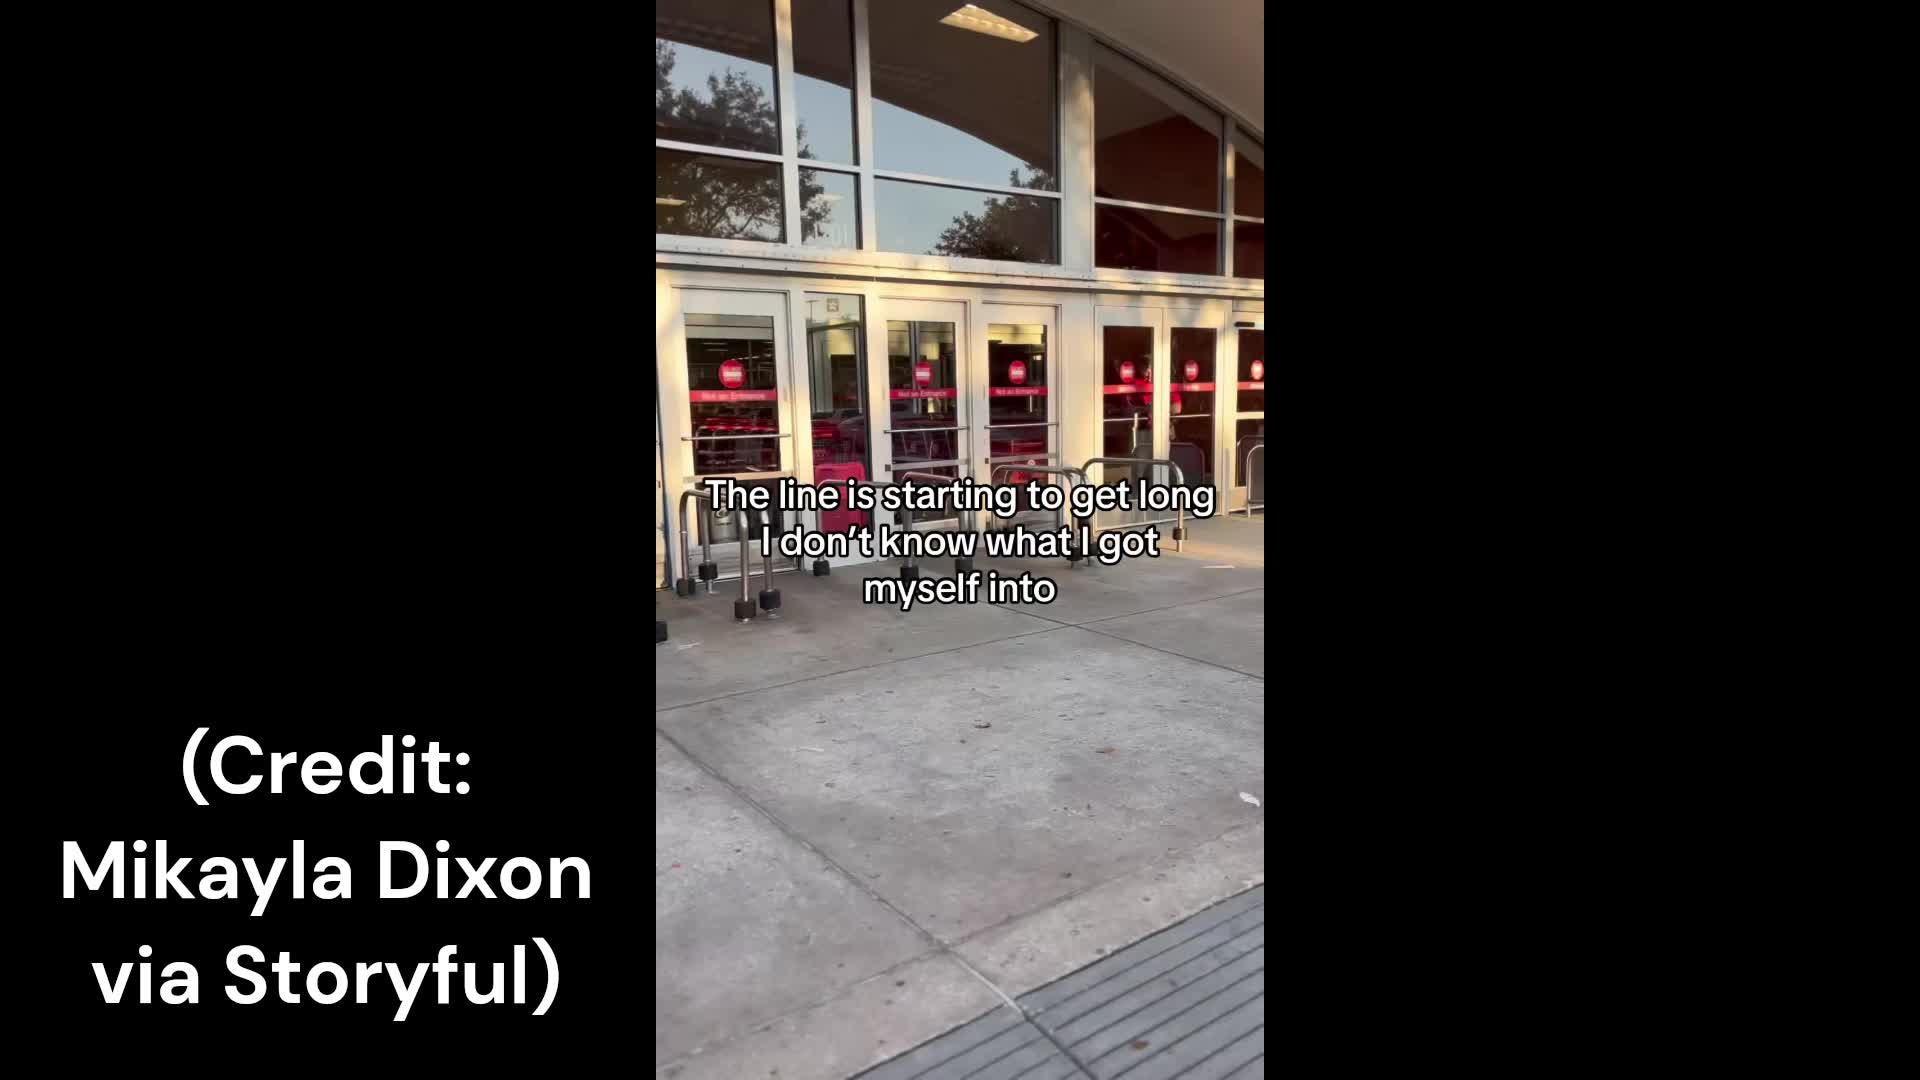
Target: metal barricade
(1179, 511)
(1251, 505)
(1064, 514)
(910, 569)
(708, 569)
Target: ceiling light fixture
(980, 20)
(662, 200)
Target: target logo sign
(1193, 371)
(1259, 371)
(1126, 371)
(1017, 373)
(732, 374)
(922, 373)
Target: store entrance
(1161, 399)
(971, 392)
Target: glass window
(829, 209)
(1253, 371)
(1191, 407)
(720, 197)
(1249, 176)
(823, 79)
(1152, 143)
(836, 370)
(923, 391)
(964, 92)
(1249, 250)
(1129, 239)
(925, 219)
(713, 74)
(733, 391)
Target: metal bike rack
(1179, 479)
(910, 570)
(1251, 505)
(1062, 515)
(708, 569)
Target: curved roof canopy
(1216, 46)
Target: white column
(1076, 148)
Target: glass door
(837, 385)
(1250, 412)
(1193, 345)
(929, 404)
(1134, 399)
(733, 379)
(1019, 401)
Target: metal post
(1250, 507)
(912, 563)
(769, 596)
(706, 544)
(766, 551)
(743, 608)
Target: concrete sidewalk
(874, 826)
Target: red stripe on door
(1189, 387)
(723, 397)
(914, 395)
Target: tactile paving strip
(1188, 1002)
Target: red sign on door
(1017, 372)
(1258, 370)
(922, 373)
(1193, 371)
(732, 373)
(1126, 371)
